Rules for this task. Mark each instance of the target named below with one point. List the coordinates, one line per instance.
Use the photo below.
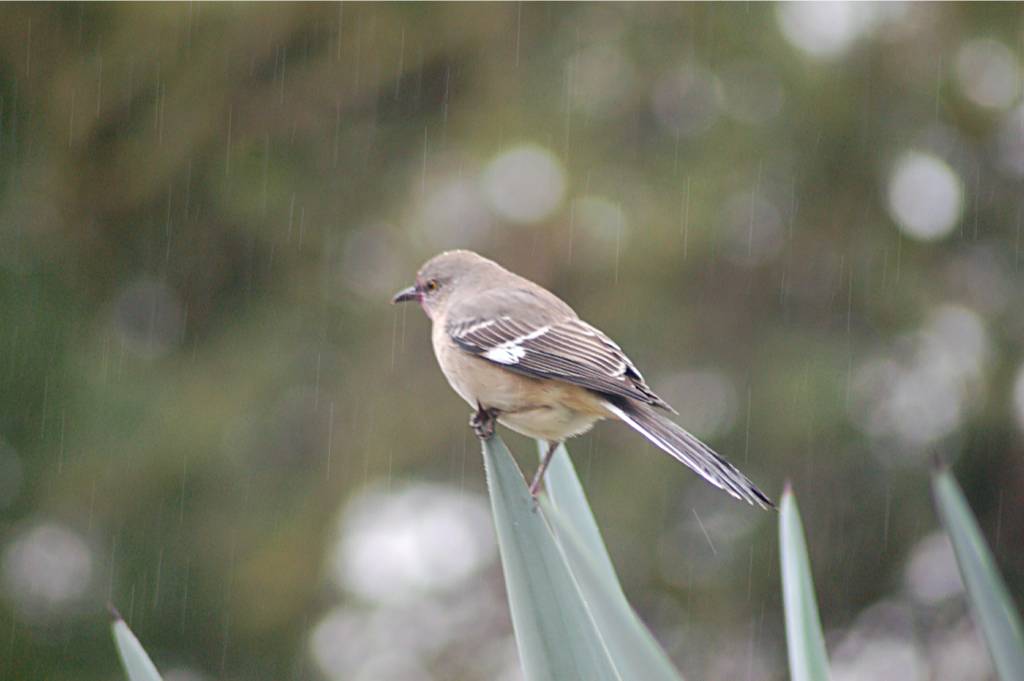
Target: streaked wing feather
(568, 350)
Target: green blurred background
(803, 222)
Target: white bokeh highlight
(957, 653)
(931, 573)
(881, 646)
(988, 73)
(922, 390)
(401, 545)
(525, 184)
(882, 659)
(46, 570)
(350, 643)
(925, 196)
(358, 641)
(824, 30)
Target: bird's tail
(670, 437)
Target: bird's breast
(478, 381)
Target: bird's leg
(482, 421)
(538, 477)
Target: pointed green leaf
(994, 608)
(555, 634)
(804, 639)
(636, 653)
(134, 659)
(563, 489)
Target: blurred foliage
(992, 605)
(204, 207)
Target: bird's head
(441, 276)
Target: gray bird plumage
(519, 354)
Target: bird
(522, 357)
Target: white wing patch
(503, 355)
(510, 352)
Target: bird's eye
(432, 285)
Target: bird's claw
(482, 421)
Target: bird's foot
(483, 421)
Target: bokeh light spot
(824, 29)
(988, 73)
(399, 545)
(925, 196)
(922, 391)
(525, 184)
(47, 569)
(931, 573)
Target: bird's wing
(530, 339)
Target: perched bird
(522, 357)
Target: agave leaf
(555, 635)
(994, 608)
(134, 659)
(804, 639)
(636, 653)
(565, 493)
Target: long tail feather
(673, 439)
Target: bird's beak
(406, 294)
